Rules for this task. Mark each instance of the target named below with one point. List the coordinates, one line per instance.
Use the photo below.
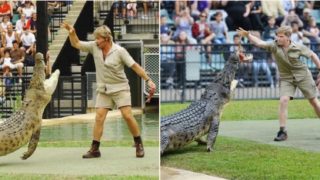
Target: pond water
(115, 129)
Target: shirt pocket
(294, 57)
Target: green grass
(240, 159)
(57, 177)
(121, 143)
(253, 110)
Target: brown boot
(139, 147)
(139, 150)
(94, 151)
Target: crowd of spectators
(213, 23)
(129, 8)
(18, 34)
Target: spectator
(164, 27)
(199, 6)
(290, 17)
(119, 5)
(238, 12)
(201, 31)
(27, 9)
(32, 23)
(146, 6)
(273, 8)
(244, 68)
(300, 5)
(5, 9)
(313, 30)
(168, 64)
(132, 8)
(169, 6)
(180, 6)
(296, 35)
(5, 23)
(219, 28)
(8, 65)
(269, 32)
(255, 15)
(183, 23)
(21, 23)
(17, 56)
(8, 37)
(260, 62)
(305, 18)
(28, 40)
(180, 51)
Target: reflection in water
(114, 130)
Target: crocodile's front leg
(201, 141)
(213, 132)
(164, 141)
(32, 144)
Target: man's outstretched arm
(256, 41)
(74, 40)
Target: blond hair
(286, 30)
(103, 31)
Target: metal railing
(134, 18)
(187, 69)
(69, 98)
(56, 17)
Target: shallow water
(115, 129)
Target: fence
(56, 17)
(69, 98)
(187, 69)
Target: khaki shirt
(110, 71)
(289, 64)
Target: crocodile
(24, 125)
(202, 116)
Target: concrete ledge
(84, 118)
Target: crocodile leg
(164, 141)
(213, 132)
(32, 144)
(201, 141)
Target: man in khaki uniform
(293, 73)
(112, 84)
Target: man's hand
(242, 32)
(67, 26)
(152, 90)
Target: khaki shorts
(110, 101)
(307, 86)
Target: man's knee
(100, 116)
(126, 114)
(314, 102)
(284, 101)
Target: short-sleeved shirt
(28, 39)
(289, 64)
(110, 75)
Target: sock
(137, 140)
(96, 143)
(282, 128)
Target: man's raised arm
(256, 41)
(74, 40)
